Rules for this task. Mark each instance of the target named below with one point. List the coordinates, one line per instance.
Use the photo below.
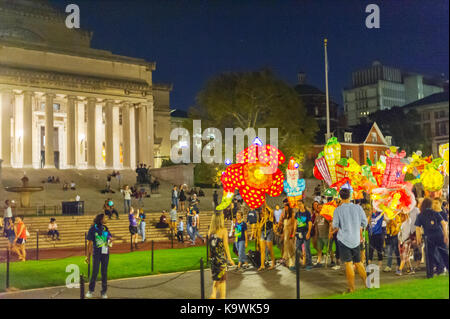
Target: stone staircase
(72, 230)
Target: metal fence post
(202, 280)
(37, 244)
(7, 267)
(82, 287)
(131, 242)
(172, 236)
(297, 272)
(85, 243)
(207, 249)
(153, 246)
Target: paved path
(274, 284)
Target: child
(180, 230)
(404, 243)
(53, 229)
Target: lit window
(374, 137)
(348, 137)
(349, 153)
(388, 140)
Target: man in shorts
(349, 218)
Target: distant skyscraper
(381, 87)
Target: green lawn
(47, 273)
(435, 288)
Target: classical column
(27, 129)
(126, 134)
(109, 143)
(116, 136)
(6, 112)
(71, 136)
(150, 136)
(143, 137)
(49, 152)
(91, 124)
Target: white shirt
(126, 194)
(413, 216)
(8, 212)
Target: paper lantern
(293, 186)
(322, 167)
(393, 174)
(431, 179)
(328, 209)
(443, 152)
(255, 174)
(332, 154)
(317, 173)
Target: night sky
(190, 41)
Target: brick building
(360, 142)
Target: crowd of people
(349, 240)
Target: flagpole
(326, 89)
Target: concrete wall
(176, 174)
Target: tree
(256, 99)
(404, 128)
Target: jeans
(376, 242)
(190, 231)
(126, 206)
(142, 230)
(240, 245)
(299, 243)
(175, 202)
(102, 259)
(180, 236)
(391, 247)
(196, 233)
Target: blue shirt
(349, 218)
(376, 223)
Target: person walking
(99, 240)
(182, 198)
(433, 227)
(219, 254)
(126, 192)
(175, 196)
(267, 235)
(142, 224)
(404, 243)
(289, 227)
(376, 236)
(189, 221)
(322, 231)
(133, 227)
(241, 239)
(21, 238)
(393, 228)
(349, 218)
(7, 215)
(196, 226)
(180, 230)
(303, 233)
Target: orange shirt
(23, 233)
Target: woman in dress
(289, 224)
(219, 254)
(267, 233)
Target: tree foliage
(404, 128)
(256, 99)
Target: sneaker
(308, 268)
(412, 272)
(332, 264)
(387, 269)
(88, 295)
(104, 296)
(337, 267)
(398, 272)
